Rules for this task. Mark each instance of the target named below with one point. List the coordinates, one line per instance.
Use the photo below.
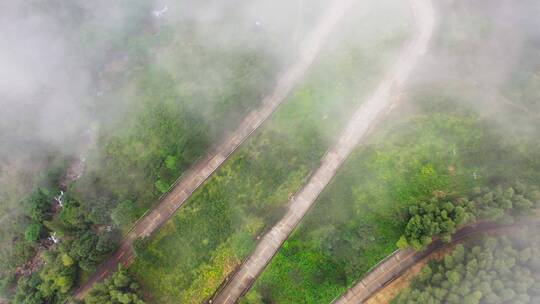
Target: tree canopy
(119, 289)
(491, 270)
(443, 214)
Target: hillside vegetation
(451, 135)
(162, 94)
(219, 225)
(442, 215)
(491, 270)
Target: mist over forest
(108, 109)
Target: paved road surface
(361, 122)
(400, 261)
(179, 194)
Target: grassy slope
(161, 91)
(191, 255)
(163, 121)
(173, 97)
(359, 218)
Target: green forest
(162, 121)
(120, 288)
(488, 270)
(442, 215)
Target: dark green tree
(119, 289)
(485, 271)
(33, 232)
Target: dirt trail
(203, 169)
(360, 124)
(400, 261)
(392, 289)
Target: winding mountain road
(203, 169)
(360, 124)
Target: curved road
(202, 170)
(400, 261)
(362, 121)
